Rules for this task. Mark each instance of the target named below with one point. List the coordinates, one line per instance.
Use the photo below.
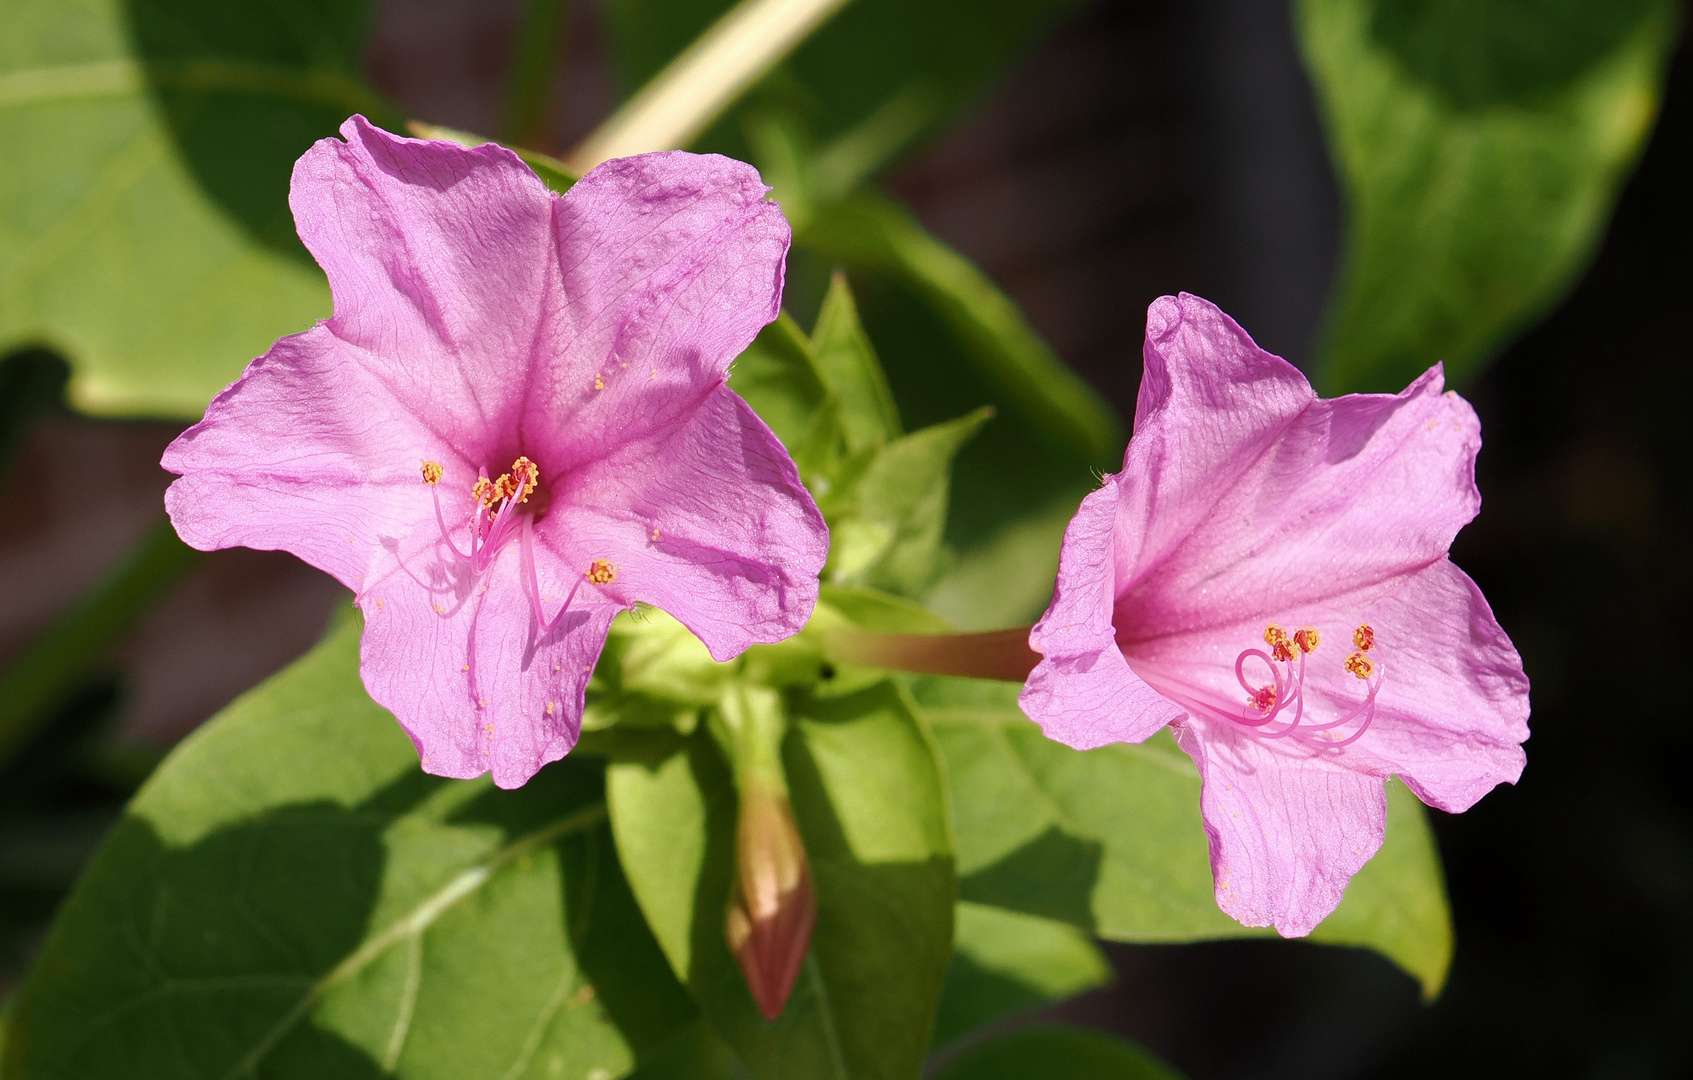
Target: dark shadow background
(1147, 147)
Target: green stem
(756, 724)
(38, 678)
(996, 654)
(530, 82)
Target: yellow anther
(601, 572)
(1364, 638)
(517, 484)
(1307, 638)
(1360, 665)
(1281, 647)
(432, 472)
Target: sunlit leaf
(1110, 840)
(290, 896)
(1481, 145)
(849, 361)
(868, 797)
(144, 223)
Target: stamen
(1286, 692)
(494, 512)
(601, 572)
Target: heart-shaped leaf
(1110, 840)
(1481, 145)
(145, 230)
(290, 896)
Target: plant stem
(995, 654)
(38, 678)
(682, 100)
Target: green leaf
(1005, 962)
(872, 232)
(1005, 579)
(1481, 145)
(779, 377)
(145, 230)
(886, 523)
(849, 363)
(1055, 1053)
(1110, 840)
(869, 800)
(290, 896)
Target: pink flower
(515, 426)
(1268, 575)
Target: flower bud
(773, 909)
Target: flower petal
(1287, 829)
(1083, 693)
(309, 453)
(709, 523)
(671, 265)
(441, 262)
(1453, 709)
(462, 665)
(1313, 499)
(1211, 402)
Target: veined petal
(1211, 402)
(709, 523)
(1453, 709)
(465, 667)
(1287, 830)
(671, 264)
(1329, 498)
(441, 262)
(1083, 693)
(310, 453)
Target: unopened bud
(774, 908)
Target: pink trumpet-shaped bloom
(515, 425)
(1268, 576)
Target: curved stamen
(441, 520)
(532, 583)
(1287, 689)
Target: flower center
(494, 521)
(497, 520)
(1283, 698)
